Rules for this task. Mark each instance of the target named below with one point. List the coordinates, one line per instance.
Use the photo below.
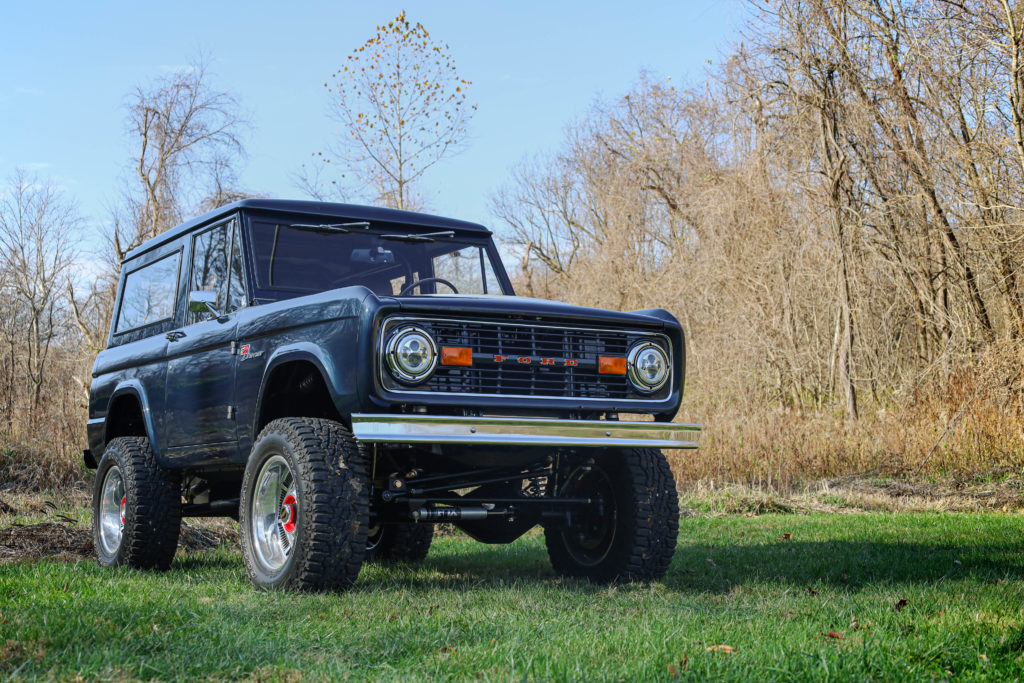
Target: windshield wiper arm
(329, 227)
(420, 237)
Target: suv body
(390, 346)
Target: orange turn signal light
(610, 365)
(461, 355)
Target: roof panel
(355, 212)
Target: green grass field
(794, 597)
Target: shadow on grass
(206, 559)
(695, 567)
(841, 564)
(715, 568)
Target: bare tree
(38, 228)
(186, 136)
(402, 107)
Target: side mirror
(203, 302)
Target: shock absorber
(426, 514)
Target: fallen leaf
(683, 662)
(835, 634)
(854, 625)
(672, 671)
(449, 648)
(788, 615)
(844, 577)
(811, 591)
(727, 649)
(787, 536)
(900, 604)
(983, 657)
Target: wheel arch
(297, 382)
(128, 414)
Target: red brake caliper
(122, 509)
(289, 510)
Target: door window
(217, 268)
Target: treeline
(57, 288)
(834, 215)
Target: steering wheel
(413, 285)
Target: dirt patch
(214, 533)
(858, 494)
(56, 540)
(866, 493)
(70, 542)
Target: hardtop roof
(354, 212)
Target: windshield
(311, 257)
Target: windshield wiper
(329, 227)
(420, 237)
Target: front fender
(342, 393)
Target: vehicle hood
(527, 308)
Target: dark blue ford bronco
(340, 378)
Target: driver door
(201, 366)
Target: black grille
(529, 359)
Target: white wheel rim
(111, 511)
(274, 514)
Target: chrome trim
(634, 375)
(384, 326)
(516, 431)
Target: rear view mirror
(378, 256)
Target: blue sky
(69, 66)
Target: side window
(217, 267)
(149, 294)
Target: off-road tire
(401, 543)
(646, 523)
(152, 506)
(332, 505)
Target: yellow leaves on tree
(404, 106)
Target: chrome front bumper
(515, 431)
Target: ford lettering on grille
(528, 360)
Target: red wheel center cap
(288, 513)
(122, 509)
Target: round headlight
(647, 366)
(411, 354)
